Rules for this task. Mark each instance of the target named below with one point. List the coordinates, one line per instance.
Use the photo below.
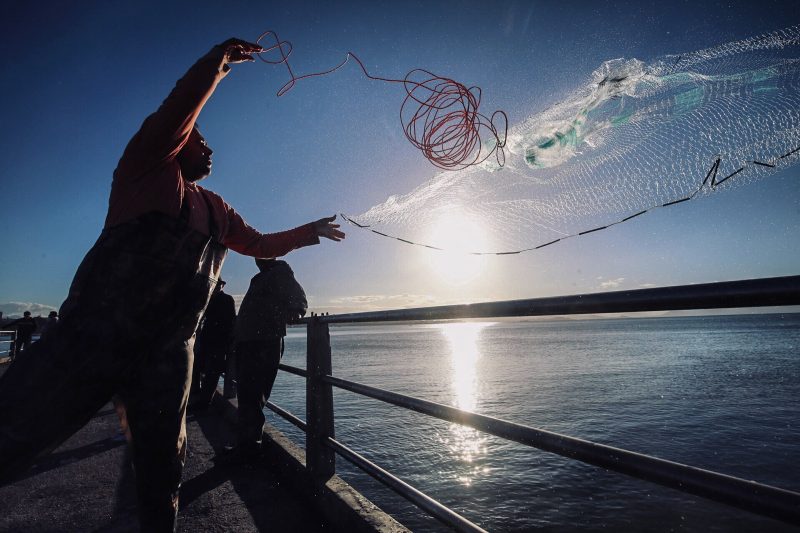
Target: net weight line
(711, 175)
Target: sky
(79, 78)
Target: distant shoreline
(794, 310)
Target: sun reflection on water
(466, 444)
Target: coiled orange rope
(439, 115)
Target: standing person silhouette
(273, 299)
(52, 320)
(212, 349)
(24, 327)
(127, 326)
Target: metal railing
(7, 338)
(321, 445)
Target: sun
(458, 235)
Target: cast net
(635, 137)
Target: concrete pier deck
(87, 485)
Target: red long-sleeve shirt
(148, 176)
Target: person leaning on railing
(128, 322)
(273, 299)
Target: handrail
(293, 370)
(12, 334)
(719, 295)
(286, 415)
(420, 499)
(750, 495)
(762, 499)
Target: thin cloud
(611, 283)
(362, 302)
(372, 302)
(15, 309)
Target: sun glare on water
(466, 444)
(459, 236)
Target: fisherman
(273, 299)
(127, 326)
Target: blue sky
(78, 81)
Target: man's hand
(238, 51)
(325, 227)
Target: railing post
(320, 460)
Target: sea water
(716, 392)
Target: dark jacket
(272, 298)
(216, 333)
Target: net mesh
(635, 137)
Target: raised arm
(164, 133)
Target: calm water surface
(717, 392)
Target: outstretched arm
(246, 240)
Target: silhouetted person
(214, 342)
(128, 322)
(52, 320)
(24, 327)
(273, 299)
